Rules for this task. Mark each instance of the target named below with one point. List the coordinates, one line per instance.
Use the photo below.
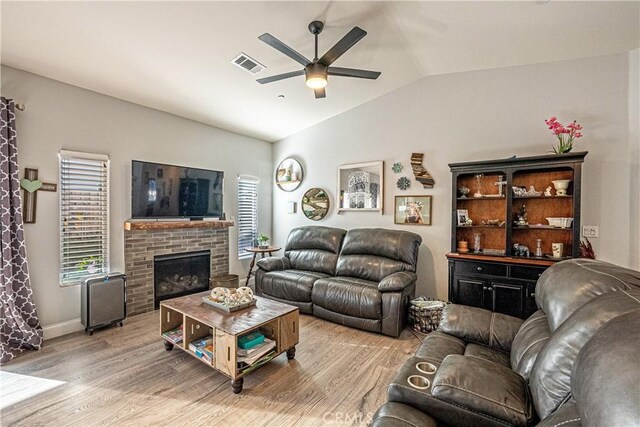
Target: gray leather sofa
(363, 278)
(575, 362)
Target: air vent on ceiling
(247, 63)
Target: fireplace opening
(176, 275)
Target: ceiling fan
(316, 71)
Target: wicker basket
(425, 314)
(225, 281)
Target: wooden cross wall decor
(31, 185)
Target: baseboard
(62, 328)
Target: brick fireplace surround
(145, 240)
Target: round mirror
(315, 204)
(289, 174)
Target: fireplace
(181, 274)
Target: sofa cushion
(274, 263)
(438, 345)
(481, 326)
(291, 285)
(487, 353)
(605, 383)
(348, 296)
(393, 414)
(581, 280)
(314, 248)
(373, 253)
(484, 387)
(530, 339)
(551, 374)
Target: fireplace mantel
(170, 225)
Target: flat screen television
(168, 191)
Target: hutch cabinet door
(468, 291)
(507, 298)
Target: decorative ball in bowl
(561, 186)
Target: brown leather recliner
(571, 363)
(362, 278)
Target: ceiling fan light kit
(316, 76)
(316, 71)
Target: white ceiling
(175, 56)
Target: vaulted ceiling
(176, 56)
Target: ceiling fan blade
(352, 72)
(278, 45)
(320, 93)
(346, 43)
(280, 77)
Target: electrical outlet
(590, 231)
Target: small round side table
(262, 252)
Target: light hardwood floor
(123, 376)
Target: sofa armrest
(274, 263)
(397, 282)
(484, 387)
(481, 326)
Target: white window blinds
(84, 216)
(247, 213)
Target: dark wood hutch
(495, 277)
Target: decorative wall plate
(315, 204)
(289, 174)
(397, 167)
(403, 183)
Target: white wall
(475, 116)
(60, 116)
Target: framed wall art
(289, 174)
(412, 210)
(361, 187)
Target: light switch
(590, 231)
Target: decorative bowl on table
(560, 222)
(230, 299)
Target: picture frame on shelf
(463, 216)
(412, 210)
(289, 174)
(361, 187)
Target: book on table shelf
(250, 340)
(198, 346)
(207, 352)
(256, 352)
(174, 335)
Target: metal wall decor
(315, 204)
(360, 187)
(412, 210)
(289, 174)
(403, 183)
(31, 185)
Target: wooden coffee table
(276, 320)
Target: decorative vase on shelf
(561, 186)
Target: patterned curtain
(19, 326)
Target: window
(247, 213)
(84, 216)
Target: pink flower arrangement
(566, 135)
